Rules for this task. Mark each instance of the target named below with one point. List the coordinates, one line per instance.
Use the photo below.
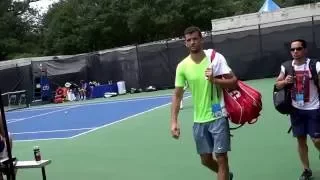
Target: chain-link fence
(252, 52)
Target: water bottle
(37, 154)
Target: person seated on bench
(83, 90)
(75, 90)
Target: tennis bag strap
(213, 55)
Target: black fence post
(314, 45)
(260, 42)
(167, 50)
(211, 32)
(139, 67)
(32, 88)
(172, 72)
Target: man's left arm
(222, 74)
(226, 80)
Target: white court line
(31, 140)
(36, 109)
(51, 112)
(126, 118)
(38, 115)
(52, 131)
(100, 127)
(95, 103)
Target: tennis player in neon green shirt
(205, 80)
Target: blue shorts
(305, 122)
(212, 137)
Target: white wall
(289, 15)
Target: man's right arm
(176, 99)
(180, 82)
(282, 80)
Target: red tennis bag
(243, 104)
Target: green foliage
(76, 26)
(16, 30)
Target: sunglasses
(298, 49)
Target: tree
(81, 26)
(76, 26)
(16, 34)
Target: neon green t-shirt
(200, 87)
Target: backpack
(314, 74)
(243, 104)
(282, 99)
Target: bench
(34, 164)
(26, 165)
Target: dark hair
(303, 42)
(192, 29)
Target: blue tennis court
(62, 122)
